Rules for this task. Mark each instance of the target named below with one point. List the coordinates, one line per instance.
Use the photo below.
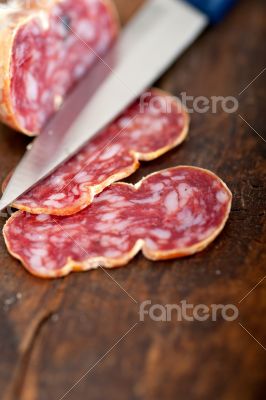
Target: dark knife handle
(215, 9)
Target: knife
(148, 45)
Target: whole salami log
(169, 214)
(146, 130)
(45, 48)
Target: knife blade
(148, 45)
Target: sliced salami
(45, 48)
(142, 132)
(169, 214)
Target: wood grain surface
(81, 330)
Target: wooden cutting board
(81, 330)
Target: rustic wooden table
(81, 330)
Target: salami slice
(143, 132)
(169, 214)
(45, 48)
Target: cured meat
(45, 48)
(143, 132)
(169, 214)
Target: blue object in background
(215, 9)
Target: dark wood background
(54, 332)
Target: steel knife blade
(148, 45)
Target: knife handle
(215, 9)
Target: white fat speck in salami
(110, 156)
(46, 48)
(109, 232)
(171, 202)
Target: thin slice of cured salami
(143, 132)
(45, 48)
(169, 214)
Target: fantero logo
(192, 104)
(185, 311)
